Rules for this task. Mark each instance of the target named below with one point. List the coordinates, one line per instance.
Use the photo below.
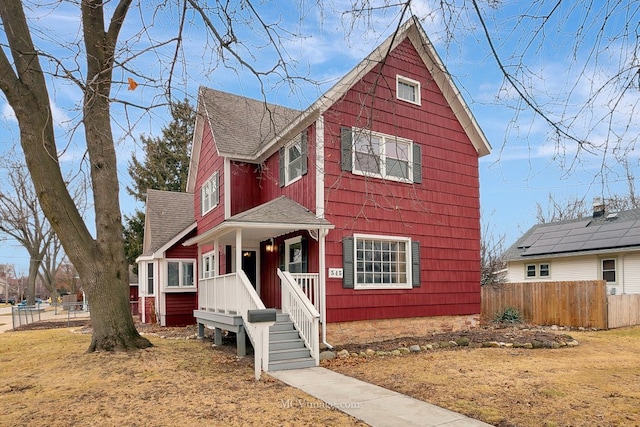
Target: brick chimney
(598, 207)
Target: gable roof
(273, 218)
(255, 129)
(607, 233)
(169, 216)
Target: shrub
(509, 315)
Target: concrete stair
(286, 349)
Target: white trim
(320, 201)
(227, 188)
(409, 82)
(180, 262)
(615, 269)
(287, 244)
(211, 181)
(382, 156)
(287, 146)
(382, 286)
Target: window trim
(150, 278)
(409, 82)
(383, 286)
(211, 182)
(287, 163)
(287, 244)
(615, 270)
(211, 271)
(537, 270)
(181, 262)
(382, 155)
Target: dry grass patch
(594, 384)
(47, 380)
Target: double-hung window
(293, 160)
(209, 195)
(609, 270)
(383, 156)
(179, 273)
(150, 268)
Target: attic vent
(611, 216)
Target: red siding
(180, 308)
(209, 163)
(442, 212)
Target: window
(208, 265)
(293, 160)
(384, 156)
(179, 273)
(209, 196)
(609, 270)
(382, 262)
(368, 153)
(542, 270)
(408, 90)
(295, 255)
(150, 278)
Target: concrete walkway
(370, 403)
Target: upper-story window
(542, 270)
(384, 156)
(293, 160)
(369, 153)
(209, 195)
(408, 90)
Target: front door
(249, 266)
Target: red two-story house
(361, 211)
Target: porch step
(286, 349)
(281, 365)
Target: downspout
(322, 276)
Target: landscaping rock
(343, 353)
(370, 352)
(404, 350)
(327, 355)
(415, 348)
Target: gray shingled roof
(168, 213)
(583, 235)
(242, 125)
(280, 211)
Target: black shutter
(348, 277)
(415, 264)
(303, 146)
(346, 147)
(417, 163)
(282, 166)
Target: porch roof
(271, 219)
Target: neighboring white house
(605, 246)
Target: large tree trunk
(101, 261)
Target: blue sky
(323, 44)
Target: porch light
(270, 247)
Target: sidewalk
(370, 403)
(49, 313)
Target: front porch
(288, 340)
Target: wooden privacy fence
(624, 310)
(578, 303)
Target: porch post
(322, 277)
(238, 250)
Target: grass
(594, 384)
(47, 379)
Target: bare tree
(492, 261)
(22, 219)
(561, 210)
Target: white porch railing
(233, 294)
(310, 285)
(303, 314)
